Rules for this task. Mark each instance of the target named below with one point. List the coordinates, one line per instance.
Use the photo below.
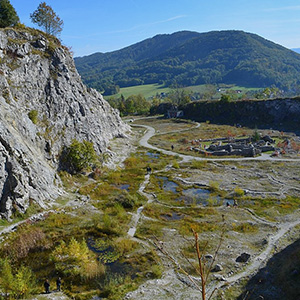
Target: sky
(107, 25)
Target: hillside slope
(189, 58)
(43, 106)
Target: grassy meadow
(151, 90)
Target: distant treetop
(45, 17)
(8, 15)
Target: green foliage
(134, 104)
(33, 116)
(268, 93)
(176, 164)
(225, 98)
(78, 155)
(238, 192)
(255, 136)
(75, 259)
(8, 15)
(7, 279)
(45, 17)
(179, 96)
(18, 284)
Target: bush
(21, 242)
(238, 192)
(75, 259)
(126, 200)
(33, 116)
(78, 156)
(18, 284)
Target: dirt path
(186, 158)
(260, 260)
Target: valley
(167, 169)
(126, 214)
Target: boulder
(244, 257)
(217, 268)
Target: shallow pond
(153, 155)
(122, 186)
(193, 195)
(167, 185)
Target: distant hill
(189, 58)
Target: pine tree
(45, 17)
(8, 15)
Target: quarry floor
(273, 229)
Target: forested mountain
(189, 58)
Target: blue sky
(106, 25)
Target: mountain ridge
(189, 58)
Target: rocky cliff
(281, 114)
(44, 105)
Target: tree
(17, 284)
(45, 17)
(8, 15)
(204, 267)
(78, 155)
(75, 259)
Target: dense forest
(189, 58)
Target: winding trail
(136, 217)
(260, 260)
(186, 158)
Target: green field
(147, 90)
(150, 90)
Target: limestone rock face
(43, 107)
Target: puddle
(172, 217)
(124, 187)
(197, 193)
(228, 202)
(201, 196)
(153, 155)
(167, 185)
(114, 267)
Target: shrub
(77, 156)
(33, 116)
(18, 284)
(176, 165)
(75, 259)
(238, 192)
(23, 241)
(126, 200)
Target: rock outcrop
(44, 106)
(279, 114)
